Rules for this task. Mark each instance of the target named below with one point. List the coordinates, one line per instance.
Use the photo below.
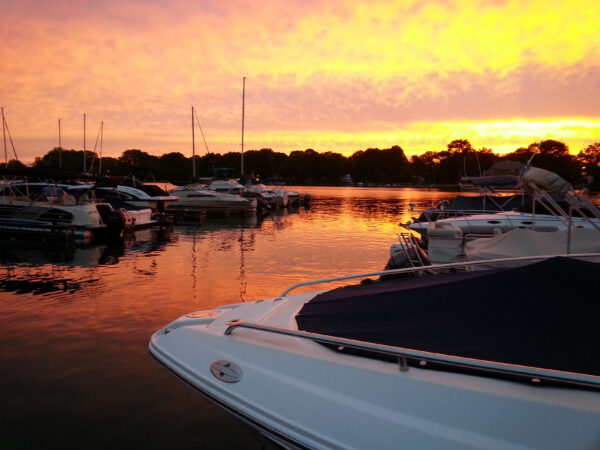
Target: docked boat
(136, 217)
(484, 359)
(554, 206)
(227, 186)
(568, 223)
(506, 221)
(45, 209)
(196, 197)
(134, 192)
(236, 188)
(276, 198)
(487, 359)
(488, 201)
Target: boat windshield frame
(436, 267)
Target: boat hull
(489, 223)
(80, 222)
(309, 396)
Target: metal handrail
(525, 373)
(434, 267)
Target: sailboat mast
(4, 135)
(243, 114)
(193, 149)
(84, 168)
(101, 139)
(59, 147)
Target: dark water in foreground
(75, 322)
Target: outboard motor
(114, 219)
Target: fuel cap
(226, 371)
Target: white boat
(506, 221)
(293, 197)
(197, 197)
(45, 209)
(550, 204)
(136, 217)
(277, 198)
(147, 196)
(488, 359)
(234, 187)
(489, 201)
(556, 206)
(227, 186)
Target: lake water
(75, 322)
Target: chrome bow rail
(422, 359)
(432, 267)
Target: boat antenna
(201, 132)
(193, 149)
(243, 114)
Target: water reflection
(76, 320)
(70, 254)
(42, 285)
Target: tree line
(370, 166)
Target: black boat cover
(544, 315)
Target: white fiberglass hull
(47, 218)
(138, 218)
(306, 395)
(506, 221)
(212, 204)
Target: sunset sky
(330, 75)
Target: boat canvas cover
(523, 242)
(546, 180)
(542, 315)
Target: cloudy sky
(331, 75)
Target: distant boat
(46, 209)
(276, 198)
(136, 193)
(234, 187)
(136, 217)
(196, 197)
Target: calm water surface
(76, 322)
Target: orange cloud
(324, 74)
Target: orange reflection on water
(194, 267)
